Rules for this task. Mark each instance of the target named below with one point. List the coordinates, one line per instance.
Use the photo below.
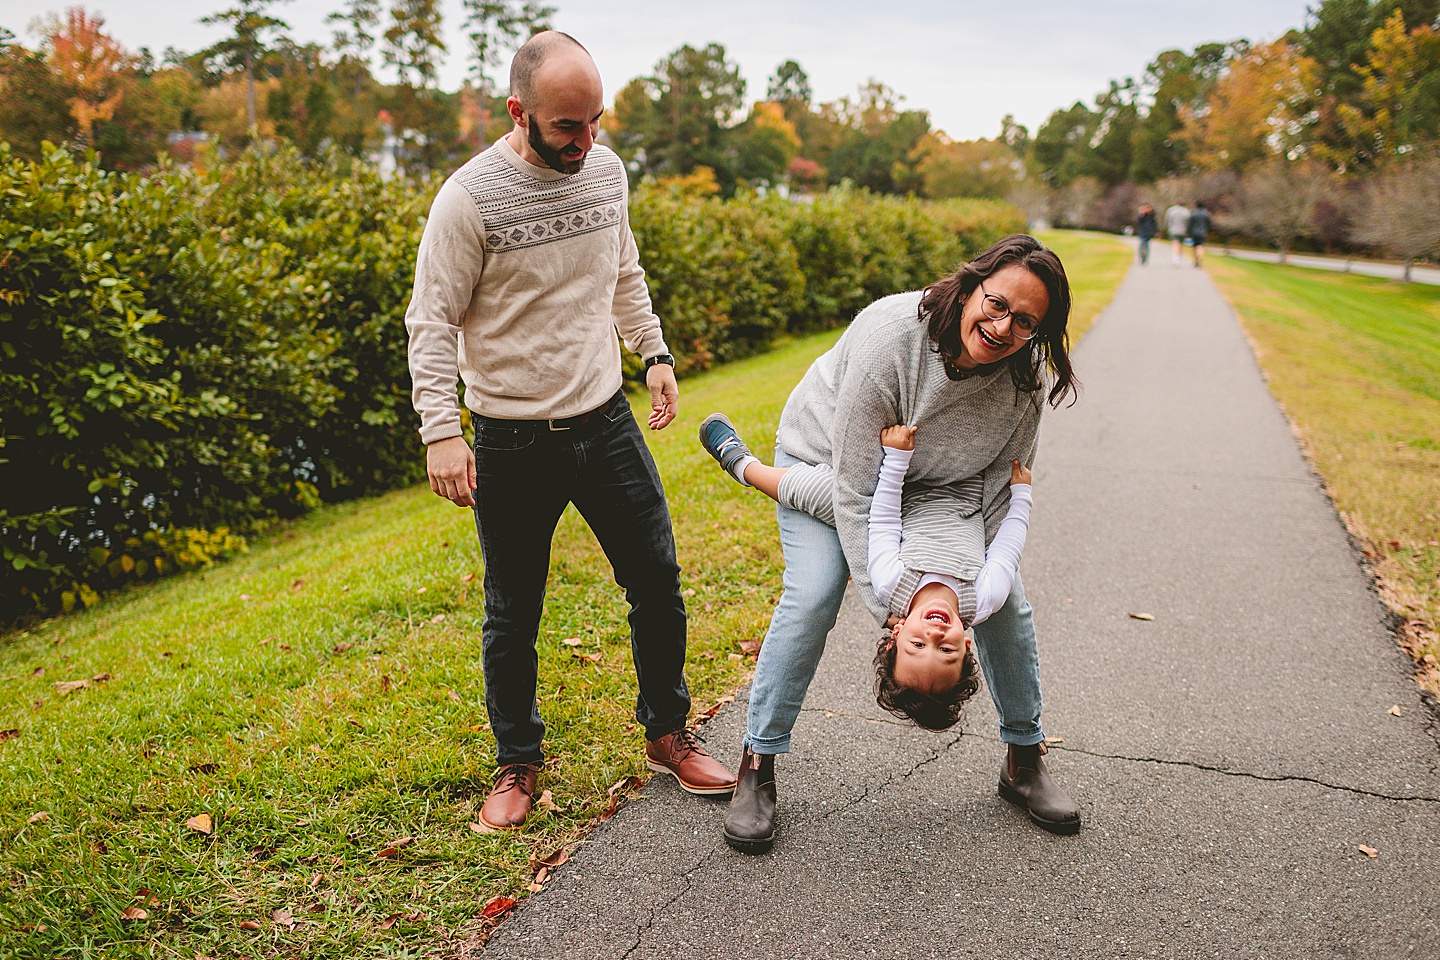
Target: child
(922, 568)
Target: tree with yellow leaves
(1398, 108)
(91, 63)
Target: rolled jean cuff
(768, 747)
(1021, 736)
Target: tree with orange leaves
(1250, 113)
(91, 63)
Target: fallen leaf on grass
(394, 848)
(453, 696)
(551, 862)
(497, 907)
(133, 913)
(206, 767)
(587, 657)
(1394, 711)
(534, 887)
(249, 925)
(283, 917)
(37, 817)
(751, 648)
(315, 880)
(389, 921)
(480, 827)
(546, 802)
(1141, 616)
(341, 647)
(386, 685)
(438, 618)
(100, 678)
(467, 578)
(10, 734)
(572, 641)
(70, 686)
(38, 672)
(201, 823)
(714, 708)
(1370, 852)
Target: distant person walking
(1198, 229)
(1177, 224)
(1145, 229)
(526, 270)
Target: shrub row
(187, 355)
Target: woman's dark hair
(942, 303)
(932, 713)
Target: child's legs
(809, 488)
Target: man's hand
(451, 466)
(664, 395)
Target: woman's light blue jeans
(814, 585)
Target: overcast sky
(968, 62)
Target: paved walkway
(1232, 755)
(1160, 252)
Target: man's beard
(549, 154)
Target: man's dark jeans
(526, 474)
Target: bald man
(526, 270)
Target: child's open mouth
(938, 616)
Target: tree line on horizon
(1324, 136)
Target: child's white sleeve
(1002, 559)
(884, 564)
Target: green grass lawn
(320, 700)
(1355, 361)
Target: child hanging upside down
(924, 563)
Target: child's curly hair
(932, 713)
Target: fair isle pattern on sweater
(521, 212)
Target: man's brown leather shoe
(681, 755)
(509, 802)
(1025, 783)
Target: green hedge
(187, 355)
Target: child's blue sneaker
(721, 441)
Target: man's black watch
(659, 358)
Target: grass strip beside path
(321, 700)
(1355, 362)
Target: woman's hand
(1018, 473)
(898, 437)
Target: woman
(953, 361)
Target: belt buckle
(552, 425)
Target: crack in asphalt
(1269, 778)
(1194, 765)
(892, 778)
(649, 923)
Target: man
(1199, 229)
(1177, 224)
(526, 269)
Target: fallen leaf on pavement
(533, 887)
(1370, 852)
(542, 874)
(200, 823)
(37, 817)
(497, 907)
(1394, 711)
(133, 913)
(1141, 616)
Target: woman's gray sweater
(884, 370)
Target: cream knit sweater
(523, 276)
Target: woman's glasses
(997, 309)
